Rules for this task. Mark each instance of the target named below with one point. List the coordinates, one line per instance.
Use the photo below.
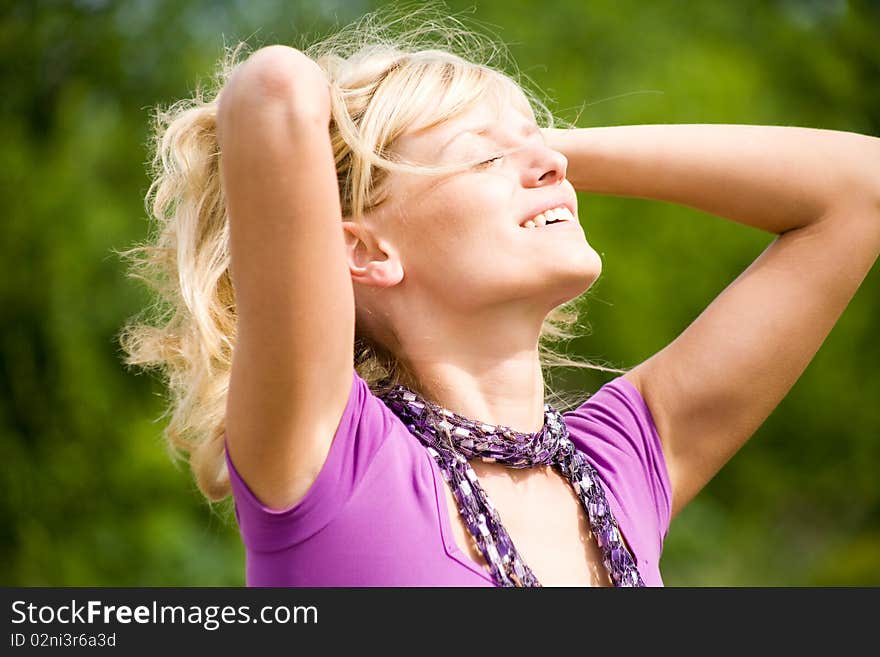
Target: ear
(371, 261)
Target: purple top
(376, 514)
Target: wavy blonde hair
(188, 333)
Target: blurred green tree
(91, 496)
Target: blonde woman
(369, 248)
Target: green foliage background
(90, 496)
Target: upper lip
(562, 201)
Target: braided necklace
(452, 439)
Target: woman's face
(460, 238)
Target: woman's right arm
(293, 356)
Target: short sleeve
(615, 429)
(358, 437)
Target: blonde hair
(188, 334)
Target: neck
(482, 368)
(507, 392)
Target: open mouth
(557, 215)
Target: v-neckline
(454, 550)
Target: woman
(359, 358)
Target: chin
(573, 278)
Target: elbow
(283, 72)
(873, 170)
(861, 184)
(278, 75)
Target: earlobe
(370, 261)
(384, 273)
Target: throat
(515, 480)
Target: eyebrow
(527, 130)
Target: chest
(545, 520)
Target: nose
(548, 167)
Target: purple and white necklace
(452, 439)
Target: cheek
(458, 226)
(457, 218)
(483, 216)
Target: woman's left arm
(819, 190)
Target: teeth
(561, 213)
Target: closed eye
(489, 161)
